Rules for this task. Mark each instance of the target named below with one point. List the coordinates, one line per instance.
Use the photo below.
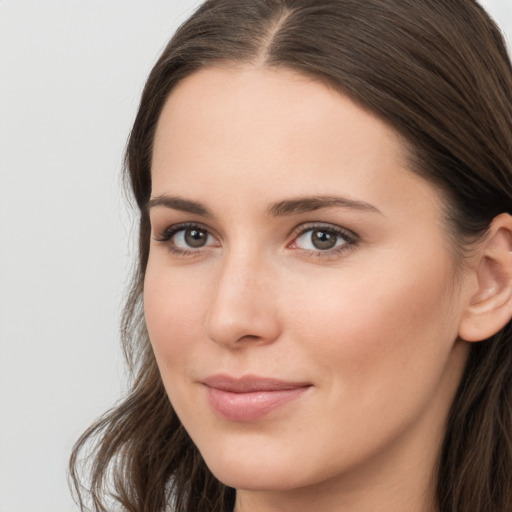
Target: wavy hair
(438, 72)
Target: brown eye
(195, 237)
(183, 238)
(323, 240)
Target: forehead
(241, 101)
(274, 132)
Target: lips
(250, 398)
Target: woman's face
(301, 297)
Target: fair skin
(357, 301)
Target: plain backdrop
(71, 72)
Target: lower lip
(252, 405)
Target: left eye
(321, 239)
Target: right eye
(184, 239)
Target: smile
(250, 398)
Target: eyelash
(351, 239)
(166, 236)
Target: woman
(320, 319)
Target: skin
(371, 325)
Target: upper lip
(250, 383)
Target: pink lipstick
(250, 398)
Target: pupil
(323, 240)
(195, 237)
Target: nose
(242, 309)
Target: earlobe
(490, 306)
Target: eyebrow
(309, 204)
(178, 203)
(279, 209)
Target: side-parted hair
(438, 72)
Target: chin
(257, 473)
(255, 479)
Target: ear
(490, 305)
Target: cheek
(394, 327)
(173, 310)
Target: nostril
(250, 337)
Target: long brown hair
(435, 70)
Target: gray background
(71, 72)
